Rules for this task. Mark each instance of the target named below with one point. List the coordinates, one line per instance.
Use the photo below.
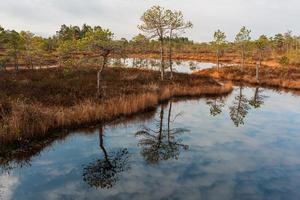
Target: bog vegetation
(36, 102)
(161, 33)
(77, 88)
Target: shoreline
(207, 57)
(283, 78)
(33, 121)
(25, 151)
(271, 73)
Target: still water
(242, 146)
(154, 64)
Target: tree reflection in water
(242, 105)
(192, 65)
(216, 105)
(104, 172)
(161, 143)
(240, 108)
(258, 99)
(21, 155)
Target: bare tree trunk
(240, 99)
(218, 59)
(170, 54)
(162, 64)
(243, 60)
(258, 66)
(257, 72)
(169, 119)
(98, 81)
(160, 136)
(99, 75)
(256, 95)
(101, 144)
(260, 58)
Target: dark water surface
(244, 146)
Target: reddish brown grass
(228, 57)
(288, 78)
(23, 119)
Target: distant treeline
(72, 45)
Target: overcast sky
(44, 17)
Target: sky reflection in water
(154, 64)
(244, 146)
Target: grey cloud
(122, 16)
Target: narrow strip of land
(35, 103)
(288, 78)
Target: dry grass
(288, 78)
(27, 119)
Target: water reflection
(193, 65)
(22, 156)
(240, 108)
(258, 98)
(216, 105)
(161, 143)
(104, 172)
(154, 64)
(259, 159)
(240, 105)
(158, 143)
